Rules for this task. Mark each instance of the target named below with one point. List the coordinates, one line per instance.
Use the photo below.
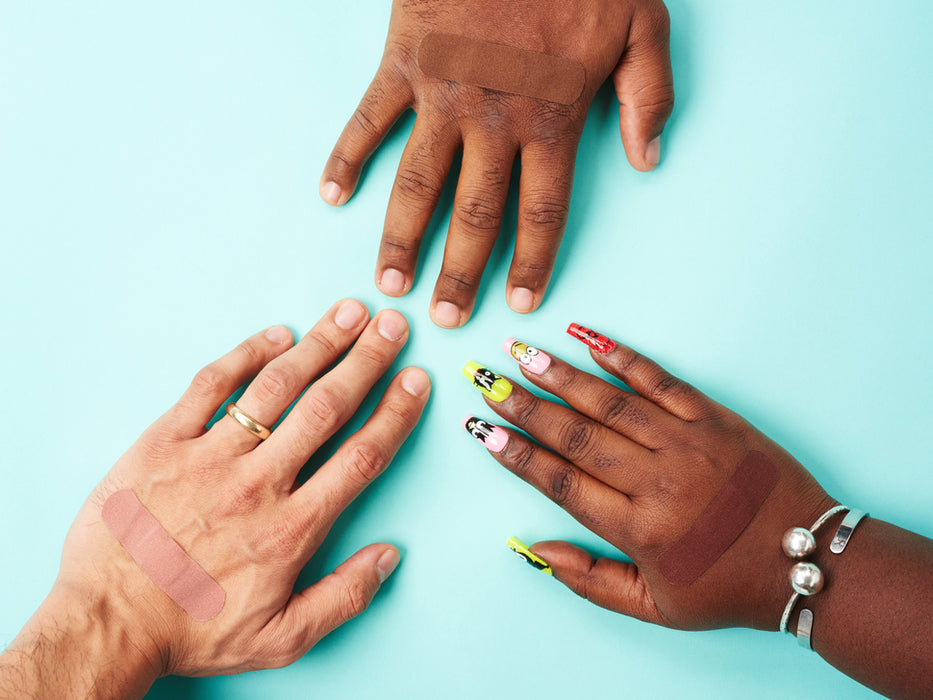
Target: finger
(418, 184)
(609, 583)
(646, 377)
(597, 506)
(213, 384)
(474, 226)
(380, 108)
(543, 205)
(333, 399)
(644, 84)
(600, 452)
(365, 455)
(622, 411)
(282, 380)
(337, 598)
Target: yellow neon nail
(533, 559)
(491, 384)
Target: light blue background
(158, 202)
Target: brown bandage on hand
(501, 67)
(161, 558)
(721, 522)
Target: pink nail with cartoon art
(492, 436)
(532, 359)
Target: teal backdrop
(159, 165)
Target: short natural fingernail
(530, 557)
(330, 193)
(392, 325)
(495, 386)
(532, 359)
(491, 436)
(392, 282)
(522, 300)
(416, 381)
(387, 563)
(350, 314)
(597, 341)
(653, 152)
(278, 334)
(446, 315)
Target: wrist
(81, 642)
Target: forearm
(76, 646)
(872, 619)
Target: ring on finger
(253, 426)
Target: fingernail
(530, 557)
(446, 315)
(491, 384)
(392, 325)
(597, 341)
(522, 300)
(392, 282)
(530, 358)
(387, 563)
(350, 314)
(278, 334)
(492, 436)
(416, 381)
(330, 193)
(653, 152)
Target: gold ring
(257, 429)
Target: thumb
(338, 597)
(644, 85)
(609, 583)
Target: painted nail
(653, 152)
(330, 193)
(530, 557)
(597, 341)
(530, 358)
(491, 384)
(492, 436)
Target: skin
(627, 40)
(232, 502)
(637, 468)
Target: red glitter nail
(597, 341)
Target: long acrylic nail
(530, 557)
(597, 341)
(492, 436)
(491, 384)
(532, 359)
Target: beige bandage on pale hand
(501, 67)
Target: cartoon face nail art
(530, 358)
(530, 557)
(491, 384)
(597, 341)
(492, 436)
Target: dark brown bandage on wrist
(161, 558)
(501, 67)
(721, 522)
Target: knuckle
(664, 385)
(342, 163)
(523, 458)
(544, 212)
(326, 345)
(563, 486)
(247, 496)
(322, 407)
(525, 407)
(479, 213)
(209, 380)
(276, 383)
(417, 185)
(395, 246)
(619, 408)
(562, 377)
(355, 599)
(575, 438)
(454, 281)
(363, 119)
(366, 461)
